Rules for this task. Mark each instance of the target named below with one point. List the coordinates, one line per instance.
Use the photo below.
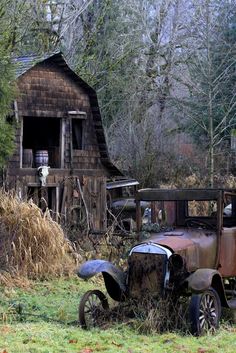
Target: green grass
(51, 301)
(52, 326)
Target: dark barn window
(77, 134)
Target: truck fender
(204, 278)
(114, 278)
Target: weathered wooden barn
(59, 126)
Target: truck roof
(182, 194)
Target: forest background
(164, 72)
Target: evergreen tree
(210, 104)
(7, 87)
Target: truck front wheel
(204, 312)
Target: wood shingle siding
(56, 109)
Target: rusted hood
(197, 246)
(176, 243)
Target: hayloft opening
(41, 134)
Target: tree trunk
(211, 142)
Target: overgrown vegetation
(31, 243)
(7, 94)
(41, 318)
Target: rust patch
(175, 242)
(146, 274)
(227, 252)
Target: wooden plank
(57, 203)
(21, 143)
(62, 143)
(181, 194)
(63, 201)
(42, 113)
(71, 143)
(15, 159)
(33, 172)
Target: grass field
(42, 318)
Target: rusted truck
(192, 256)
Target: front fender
(204, 278)
(114, 278)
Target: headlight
(176, 262)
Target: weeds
(32, 245)
(162, 315)
(107, 246)
(8, 315)
(150, 316)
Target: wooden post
(62, 143)
(21, 142)
(153, 212)
(138, 218)
(71, 143)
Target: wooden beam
(21, 142)
(62, 143)
(138, 218)
(181, 194)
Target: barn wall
(46, 91)
(50, 89)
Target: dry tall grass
(31, 243)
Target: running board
(232, 303)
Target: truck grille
(146, 274)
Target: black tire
(91, 309)
(204, 312)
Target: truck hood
(197, 246)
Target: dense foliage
(164, 71)
(6, 88)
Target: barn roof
(25, 63)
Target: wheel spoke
(87, 305)
(202, 322)
(91, 307)
(87, 310)
(93, 299)
(205, 311)
(211, 302)
(206, 325)
(204, 302)
(90, 300)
